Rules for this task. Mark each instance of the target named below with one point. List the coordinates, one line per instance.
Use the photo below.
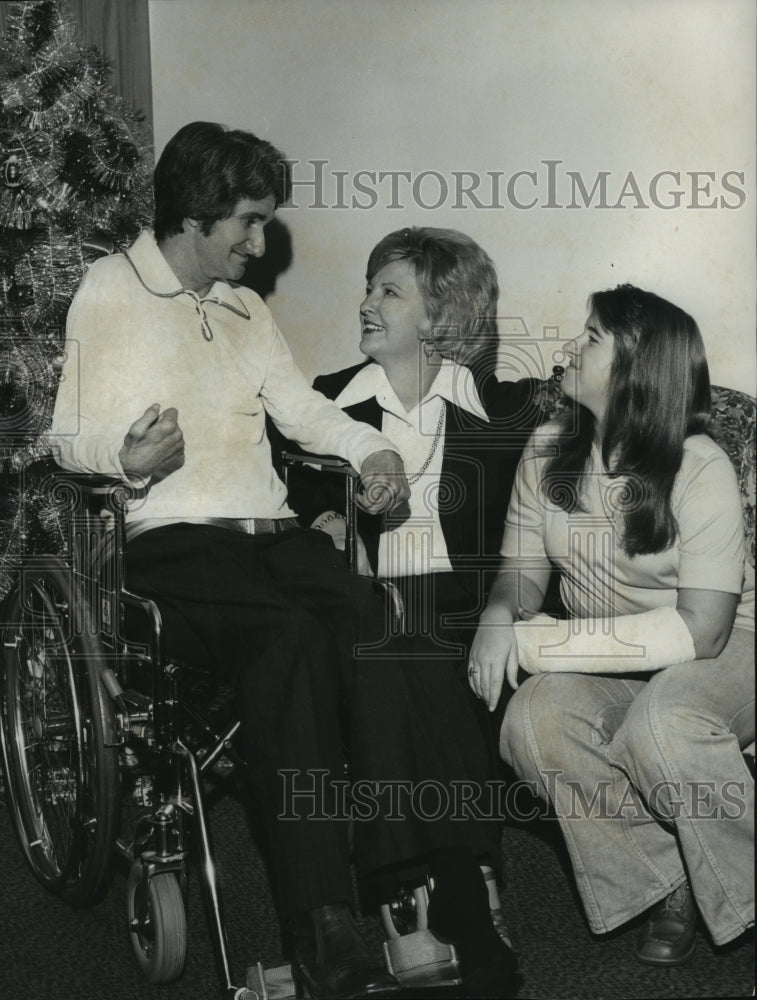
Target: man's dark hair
(204, 171)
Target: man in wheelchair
(171, 368)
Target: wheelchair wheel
(157, 923)
(56, 722)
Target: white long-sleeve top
(135, 337)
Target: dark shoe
(668, 937)
(498, 977)
(330, 959)
(488, 965)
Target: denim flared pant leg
(681, 745)
(578, 738)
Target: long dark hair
(658, 395)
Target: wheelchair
(98, 725)
(94, 714)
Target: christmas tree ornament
(11, 171)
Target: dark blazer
(478, 466)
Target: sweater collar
(154, 273)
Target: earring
(428, 348)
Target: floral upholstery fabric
(733, 427)
(551, 399)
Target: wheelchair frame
(72, 727)
(77, 732)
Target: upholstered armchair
(733, 427)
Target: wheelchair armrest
(45, 471)
(81, 514)
(341, 467)
(93, 491)
(325, 462)
(97, 484)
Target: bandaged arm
(626, 644)
(697, 628)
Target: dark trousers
(308, 646)
(278, 614)
(419, 732)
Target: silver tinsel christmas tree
(75, 183)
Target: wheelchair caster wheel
(420, 961)
(157, 924)
(408, 912)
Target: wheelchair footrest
(270, 984)
(420, 958)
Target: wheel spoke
(64, 778)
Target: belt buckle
(274, 525)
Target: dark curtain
(121, 31)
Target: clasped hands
(383, 485)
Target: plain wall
(624, 87)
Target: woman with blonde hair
(429, 330)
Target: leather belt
(273, 525)
(248, 525)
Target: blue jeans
(648, 782)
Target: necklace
(434, 445)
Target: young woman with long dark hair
(644, 696)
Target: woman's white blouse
(412, 541)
